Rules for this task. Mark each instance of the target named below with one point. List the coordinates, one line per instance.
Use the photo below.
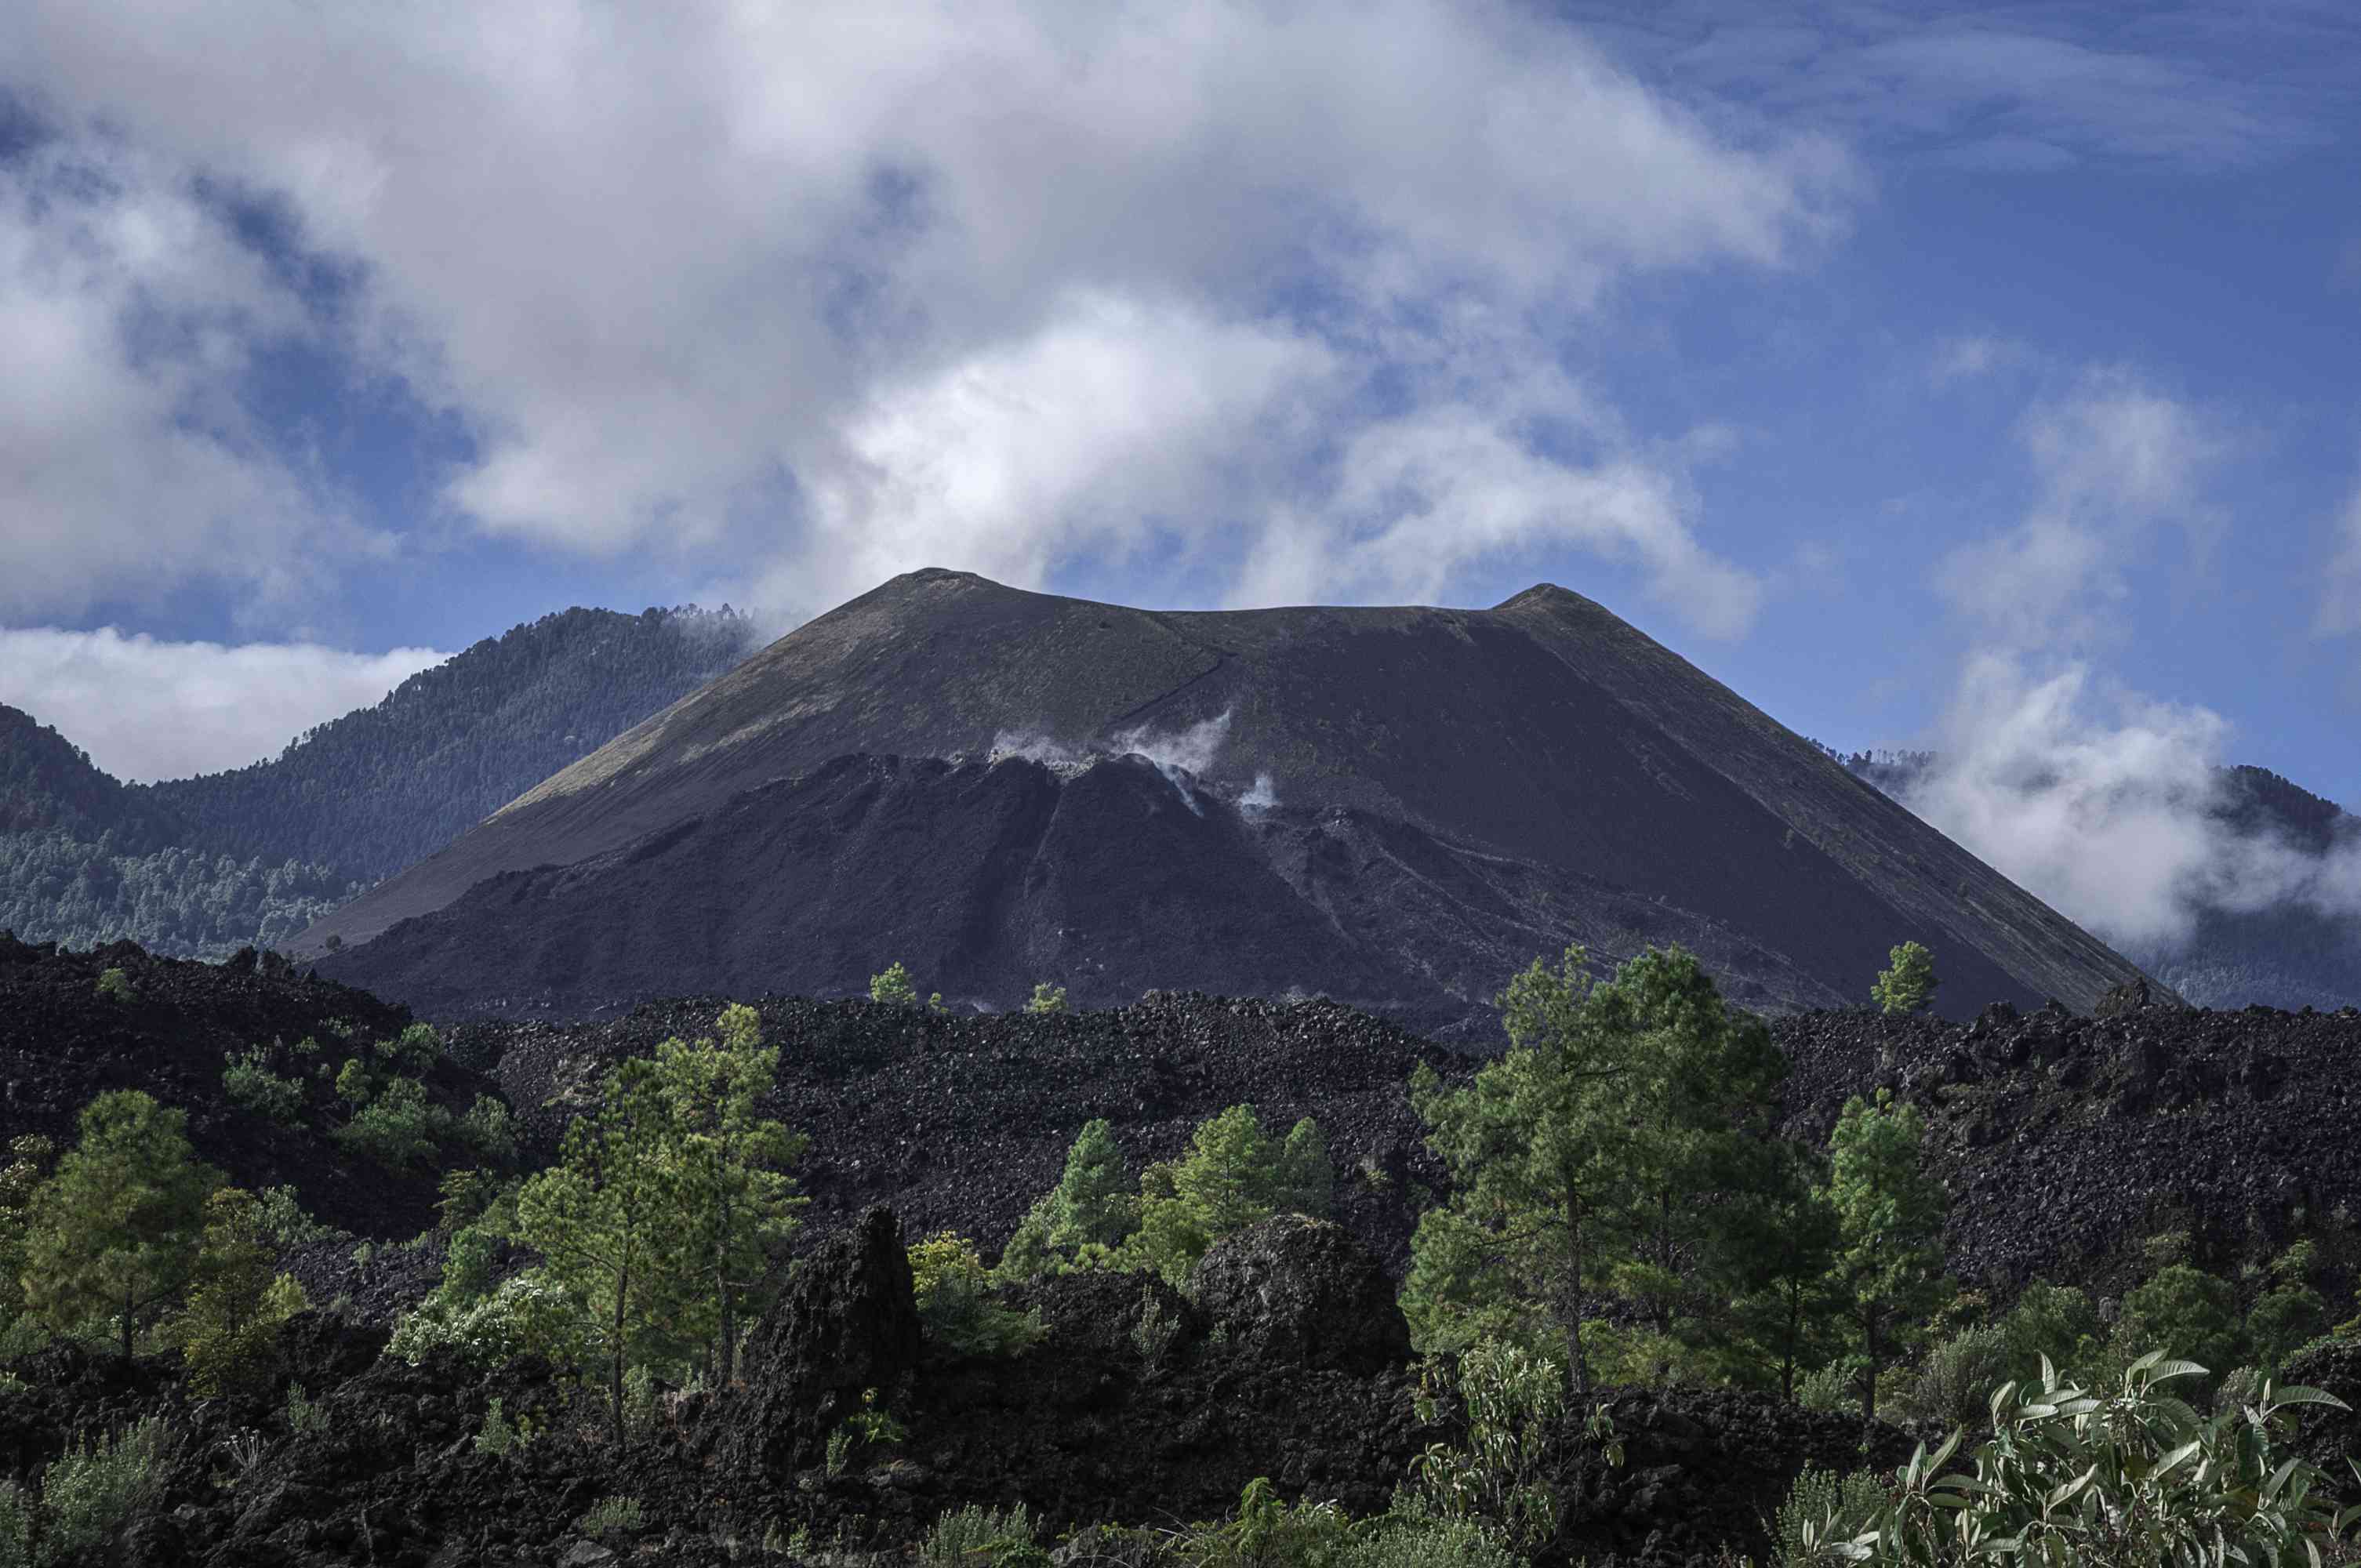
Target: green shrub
(398, 1128)
(1955, 1382)
(116, 986)
(2283, 1320)
(252, 1086)
(955, 1305)
(612, 1514)
(280, 1218)
(973, 1534)
(526, 1316)
(305, 1417)
(1267, 1533)
(1817, 1497)
(16, 1527)
(500, 1435)
(414, 1051)
(894, 987)
(1404, 1539)
(1835, 1388)
(2135, 1476)
(1047, 998)
(2054, 1321)
(488, 1129)
(2186, 1312)
(1507, 1402)
(92, 1489)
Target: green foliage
(616, 1221)
(305, 1417)
(237, 1301)
(1508, 1403)
(739, 1200)
(1889, 1232)
(2056, 1321)
(1908, 984)
(1815, 1498)
(955, 1305)
(252, 1086)
(1233, 1175)
(17, 1513)
(498, 1435)
(1153, 1334)
(2072, 1477)
(397, 1125)
(1787, 1309)
(894, 987)
(89, 1492)
(488, 1129)
(27, 1164)
(414, 1052)
(1091, 1206)
(116, 1229)
(612, 1516)
(1305, 1182)
(974, 1536)
(1955, 1379)
(1047, 998)
(1404, 1539)
(869, 1426)
(85, 894)
(1588, 1159)
(2185, 1313)
(1267, 1533)
(116, 986)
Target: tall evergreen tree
(616, 1221)
(1907, 984)
(117, 1229)
(1788, 1307)
(732, 1160)
(1889, 1231)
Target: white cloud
(2112, 460)
(1975, 355)
(2104, 801)
(127, 466)
(2340, 593)
(146, 709)
(675, 266)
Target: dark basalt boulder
(846, 1323)
(1303, 1292)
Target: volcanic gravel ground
(2066, 1140)
(62, 1044)
(963, 1121)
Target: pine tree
(1890, 1213)
(894, 987)
(1537, 1150)
(1787, 1307)
(237, 1298)
(617, 1219)
(732, 1157)
(117, 1229)
(1047, 998)
(29, 1162)
(1306, 1181)
(1908, 984)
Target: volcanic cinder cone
(1396, 807)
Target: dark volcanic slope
(61, 1044)
(1544, 734)
(962, 1122)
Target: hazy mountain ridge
(2288, 956)
(201, 867)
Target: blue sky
(1974, 377)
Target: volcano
(1393, 807)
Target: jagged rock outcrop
(1292, 1289)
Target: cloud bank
(146, 709)
(1281, 292)
(2105, 803)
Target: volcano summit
(1395, 807)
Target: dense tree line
(199, 868)
(383, 788)
(57, 888)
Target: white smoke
(1182, 757)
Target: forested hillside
(382, 786)
(200, 867)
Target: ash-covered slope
(1557, 769)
